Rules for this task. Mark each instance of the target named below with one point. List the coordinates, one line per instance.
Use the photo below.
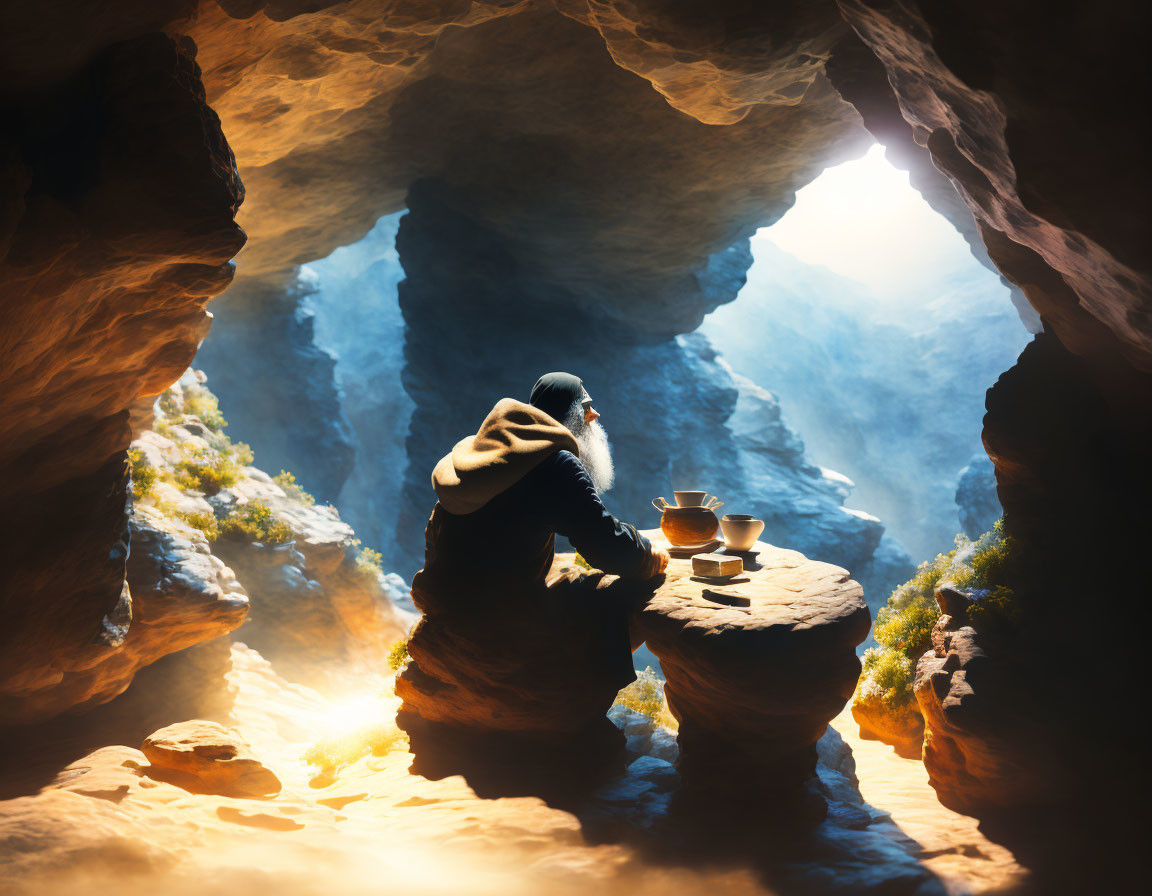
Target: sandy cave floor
(378, 828)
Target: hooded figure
(504, 493)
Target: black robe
(497, 559)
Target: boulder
(511, 668)
(206, 757)
(754, 685)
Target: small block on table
(717, 565)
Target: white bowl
(740, 531)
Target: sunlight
(863, 220)
(350, 714)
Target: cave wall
(120, 192)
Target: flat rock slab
(759, 665)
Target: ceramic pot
(686, 525)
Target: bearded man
(536, 646)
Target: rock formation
(754, 686)
(976, 497)
(206, 757)
(118, 227)
(316, 599)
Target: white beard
(595, 452)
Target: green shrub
(646, 696)
(207, 470)
(169, 405)
(398, 654)
(904, 633)
(241, 452)
(142, 472)
(887, 678)
(203, 404)
(254, 522)
(205, 522)
(904, 627)
(369, 563)
(292, 488)
(990, 575)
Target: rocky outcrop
(206, 757)
(755, 669)
(181, 595)
(317, 600)
(976, 497)
(975, 84)
(117, 230)
(984, 741)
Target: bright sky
(863, 220)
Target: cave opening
(866, 317)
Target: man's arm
(577, 513)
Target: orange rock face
(117, 231)
(902, 729)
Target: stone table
(756, 667)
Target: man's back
(508, 543)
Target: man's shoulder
(562, 463)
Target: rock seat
(513, 664)
(754, 686)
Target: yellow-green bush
(207, 470)
(292, 488)
(646, 696)
(205, 522)
(168, 404)
(990, 575)
(203, 404)
(369, 562)
(904, 627)
(398, 654)
(254, 522)
(329, 756)
(142, 472)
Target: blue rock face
(976, 497)
(277, 387)
(891, 395)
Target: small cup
(690, 499)
(741, 531)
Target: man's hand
(660, 560)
